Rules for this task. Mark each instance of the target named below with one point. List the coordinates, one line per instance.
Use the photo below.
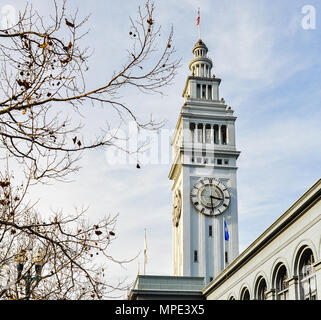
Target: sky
(267, 54)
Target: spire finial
(198, 22)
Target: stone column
(219, 134)
(203, 134)
(196, 133)
(317, 272)
(293, 288)
(270, 295)
(192, 89)
(187, 140)
(230, 130)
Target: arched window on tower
(281, 283)
(223, 134)
(307, 279)
(203, 91)
(192, 131)
(209, 92)
(200, 133)
(198, 91)
(215, 133)
(208, 133)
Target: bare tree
(54, 256)
(43, 73)
(42, 83)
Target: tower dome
(199, 44)
(201, 65)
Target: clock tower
(205, 219)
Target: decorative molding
(317, 266)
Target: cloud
(250, 50)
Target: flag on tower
(198, 22)
(226, 235)
(198, 17)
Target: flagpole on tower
(198, 22)
(145, 252)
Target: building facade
(284, 263)
(204, 176)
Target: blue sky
(270, 68)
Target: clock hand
(212, 202)
(216, 198)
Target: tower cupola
(201, 65)
(201, 84)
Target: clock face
(177, 208)
(210, 196)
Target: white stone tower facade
(204, 176)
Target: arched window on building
(216, 134)
(307, 279)
(261, 289)
(200, 133)
(281, 283)
(245, 294)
